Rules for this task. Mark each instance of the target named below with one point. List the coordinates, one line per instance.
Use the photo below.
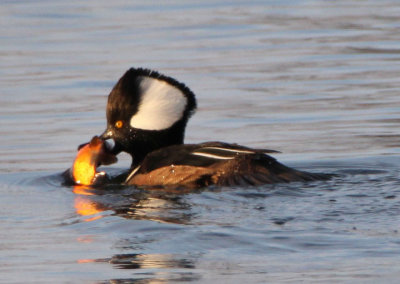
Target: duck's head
(147, 111)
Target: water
(317, 80)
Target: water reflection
(152, 266)
(133, 203)
(136, 261)
(86, 207)
(164, 207)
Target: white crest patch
(161, 105)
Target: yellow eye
(119, 124)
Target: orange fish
(89, 157)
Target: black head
(147, 111)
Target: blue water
(316, 80)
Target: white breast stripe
(229, 150)
(161, 105)
(213, 156)
(132, 173)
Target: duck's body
(146, 116)
(201, 165)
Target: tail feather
(261, 169)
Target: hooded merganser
(147, 113)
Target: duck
(147, 113)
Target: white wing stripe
(213, 156)
(229, 150)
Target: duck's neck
(142, 145)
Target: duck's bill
(107, 134)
